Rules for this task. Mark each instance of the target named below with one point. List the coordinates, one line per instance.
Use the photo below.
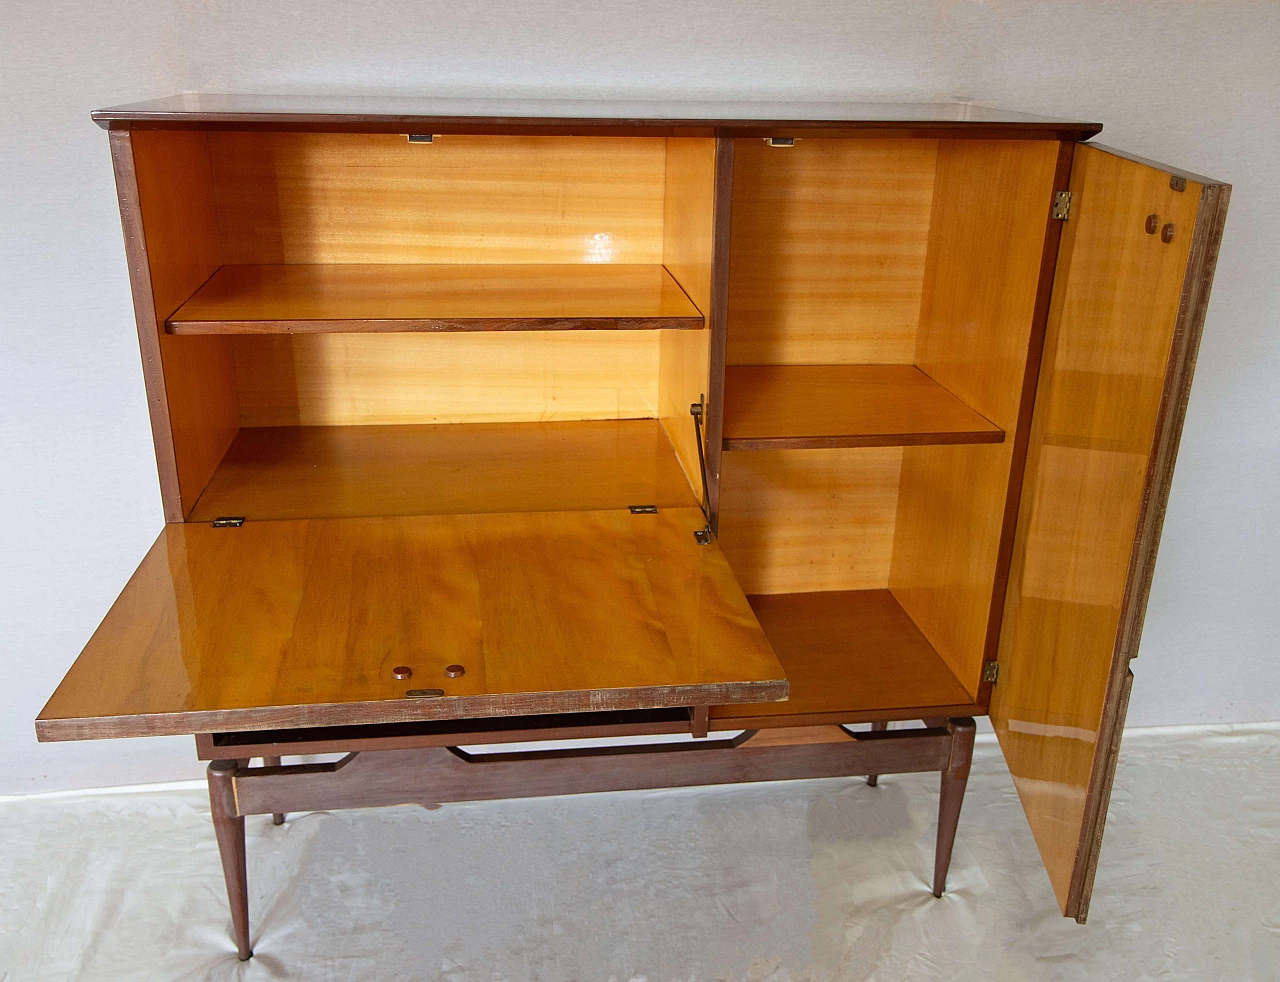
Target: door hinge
(228, 522)
(991, 672)
(1061, 205)
(643, 509)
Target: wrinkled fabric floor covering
(810, 880)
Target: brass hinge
(991, 672)
(1061, 205)
(228, 522)
(643, 509)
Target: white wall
(1195, 84)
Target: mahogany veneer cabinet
(483, 423)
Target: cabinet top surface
(322, 111)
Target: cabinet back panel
(991, 204)
(341, 379)
(828, 250)
(376, 198)
(799, 521)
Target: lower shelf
(282, 472)
(849, 655)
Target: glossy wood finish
(796, 521)
(171, 240)
(955, 776)
(976, 318)
(284, 472)
(810, 407)
(367, 379)
(718, 323)
(1124, 326)
(370, 198)
(688, 231)
(848, 654)
(398, 114)
(299, 623)
(828, 256)
(228, 827)
(398, 297)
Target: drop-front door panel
(1132, 281)
(304, 623)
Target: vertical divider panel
(165, 185)
(688, 232)
(977, 312)
(718, 322)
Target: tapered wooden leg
(277, 818)
(229, 828)
(872, 779)
(954, 779)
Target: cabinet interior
(353, 324)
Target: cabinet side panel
(1122, 334)
(829, 245)
(799, 521)
(687, 243)
(976, 315)
(179, 225)
(376, 198)
(342, 379)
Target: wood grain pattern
(718, 323)
(397, 297)
(809, 407)
(796, 521)
(829, 245)
(340, 379)
(433, 775)
(351, 471)
(849, 652)
(373, 198)
(976, 317)
(401, 114)
(171, 189)
(687, 234)
(1126, 316)
(549, 612)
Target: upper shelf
(807, 407)
(400, 297)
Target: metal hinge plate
(991, 672)
(643, 509)
(703, 536)
(1061, 205)
(228, 522)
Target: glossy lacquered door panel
(1129, 298)
(308, 623)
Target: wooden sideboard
(495, 422)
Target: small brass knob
(401, 672)
(453, 671)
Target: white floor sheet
(806, 880)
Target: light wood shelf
(342, 298)
(807, 407)
(849, 655)
(283, 472)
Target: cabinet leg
(954, 779)
(277, 818)
(872, 779)
(229, 828)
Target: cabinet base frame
(434, 775)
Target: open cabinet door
(1129, 297)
